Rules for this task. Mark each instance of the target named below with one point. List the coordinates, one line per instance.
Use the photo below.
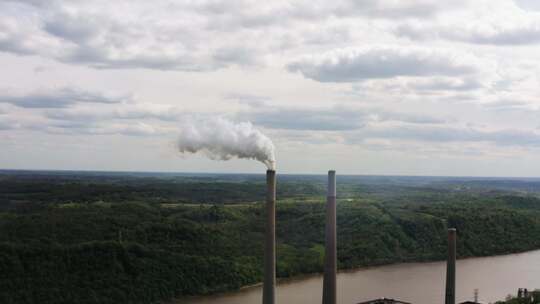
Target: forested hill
(116, 238)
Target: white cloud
(488, 23)
(336, 118)
(409, 78)
(488, 32)
(528, 4)
(458, 134)
(58, 98)
(187, 36)
(445, 84)
(356, 64)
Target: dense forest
(71, 237)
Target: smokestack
(330, 264)
(451, 268)
(269, 282)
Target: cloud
(390, 9)
(158, 36)
(132, 119)
(4, 125)
(357, 64)
(436, 87)
(305, 119)
(128, 129)
(483, 27)
(526, 34)
(365, 125)
(338, 118)
(248, 99)
(137, 129)
(446, 134)
(71, 27)
(496, 35)
(184, 36)
(376, 9)
(71, 111)
(10, 120)
(30, 2)
(20, 34)
(505, 104)
(59, 98)
(124, 111)
(528, 4)
(445, 84)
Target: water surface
(419, 283)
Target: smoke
(222, 140)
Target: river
(419, 283)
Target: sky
(417, 87)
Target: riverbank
(310, 276)
(419, 283)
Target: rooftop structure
(384, 301)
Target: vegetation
(532, 297)
(112, 238)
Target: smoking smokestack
(269, 283)
(451, 268)
(330, 264)
(222, 140)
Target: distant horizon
(263, 172)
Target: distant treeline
(102, 248)
(532, 297)
(16, 189)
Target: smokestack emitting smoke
(450, 297)
(269, 282)
(330, 265)
(222, 140)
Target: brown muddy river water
(419, 283)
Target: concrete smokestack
(451, 268)
(330, 264)
(269, 282)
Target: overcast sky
(416, 87)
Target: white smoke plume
(222, 139)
